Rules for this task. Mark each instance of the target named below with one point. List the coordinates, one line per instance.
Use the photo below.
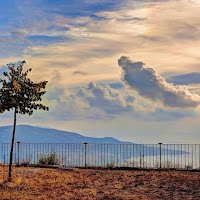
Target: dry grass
(47, 184)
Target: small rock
(9, 185)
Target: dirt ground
(91, 184)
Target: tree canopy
(19, 92)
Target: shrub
(25, 162)
(111, 164)
(49, 159)
(189, 167)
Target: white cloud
(91, 102)
(153, 32)
(105, 98)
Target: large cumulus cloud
(151, 85)
(104, 97)
(101, 101)
(96, 101)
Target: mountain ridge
(34, 134)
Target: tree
(20, 94)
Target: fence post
(18, 152)
(85, 143)
(140, 157)
(160, 155)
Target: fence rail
(166, 156)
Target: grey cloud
(150, 85)
(116, 85)
(54, 93)
(56, 76)
(78, 72)
(62, 64)
(123, 18)
(13, 45)
(186, 31)
(185, 79)
(106, 98)
(91, 102)
(100, 101)
(18, 35)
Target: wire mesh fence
(165, 156)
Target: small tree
(20, 94)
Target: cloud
(185, 79)
(46, 40)
(101, 101)
(95, 101)
(150, 27)
(56, 76)
(3, 69)
(58, 39)
(104, 97)
(150, 85)
(116, 85)
(78, 72)
(141, 29)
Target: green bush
(111, 164)
(49, 159)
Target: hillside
(108, 153)
(32, 134)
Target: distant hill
(33, 134)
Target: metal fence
(166, 156)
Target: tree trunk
(12, 146)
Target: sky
(128, 69)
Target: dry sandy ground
(91, 184)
